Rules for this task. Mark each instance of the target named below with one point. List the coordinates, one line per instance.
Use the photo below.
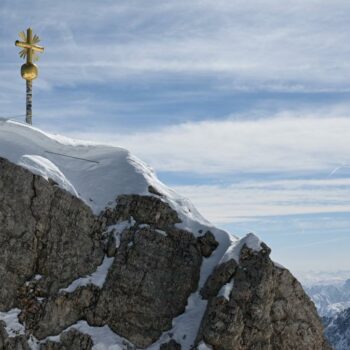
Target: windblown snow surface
(98, 174)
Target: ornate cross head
(29, 46)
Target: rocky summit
(98, 254)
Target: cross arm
(29, 46)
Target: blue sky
(243, 106)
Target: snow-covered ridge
(96, 173)
(109, 172)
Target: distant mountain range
(333, 304)
(337, 330)
(330, 299)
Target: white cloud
(269, 44)
(299, 153)
(286, 144)
(252, 199)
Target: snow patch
(45, 168)
(103, 338)
(234, 251)
(185, 327)
(226, 290)
(13, 326)
(97, 278)
(276, 264)
(203, 346)
(118, 229)
(161, 232)
(38, 277)
(144, 226)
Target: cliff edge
(97, 253)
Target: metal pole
(29, 83)
(29, 71)
(29, 96)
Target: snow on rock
(161, 232)
(45, 168)
(118, 228)
(103, 337)
(280, 266)
(234, 251)
(98, 174)
(97, 278)
(105, 173)
(226, 289)
(185, 327)
(203, 346)
(13, 327)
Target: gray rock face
(50, 239)
(61, 311)
(43, 231)
(266, 308)
(149, 282)
(148, 285)
(144, 209)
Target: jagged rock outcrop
(52, 245)
(264, 307)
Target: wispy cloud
(274, 166)
(255, 44)
(287, 143)
(253, 199)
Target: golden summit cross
(29, 70)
